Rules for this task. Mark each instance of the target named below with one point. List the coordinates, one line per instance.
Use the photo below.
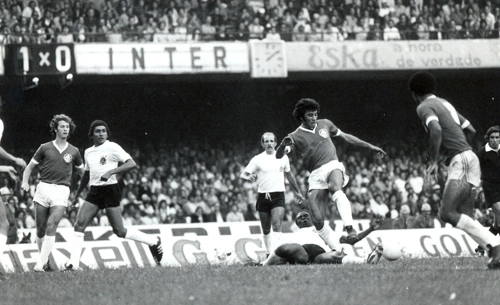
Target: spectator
(208, 31)
(391, 32)
(234, 214)
(404, 221)
(424, 220)
(332, 33)
(255, 29)
(377, 205)
(65, 36)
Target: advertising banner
(175, 58)
(392, 55)
(185, 244)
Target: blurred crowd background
(66, 21)
(195, 183)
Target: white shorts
(48, 195)
(318, 180)
(466, 166)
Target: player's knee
(448, 215)
(266, 230)
(287, 250)
(120, 232)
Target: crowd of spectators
(199, 183)
(66, 21)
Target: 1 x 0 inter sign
(39, 59)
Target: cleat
(157, 251)
(36, 269)
(480, 251)
(352, 235)
(68, 268)
(47, 267)
(375, 255)
(494, 253)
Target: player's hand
(75, 201)
(377, 222)
(380, 152)
(287, 141)
(105, 177)
(300, 199)
(9, 170)
(20, 162)
(431, 175)
(25, 187)
(252, 177)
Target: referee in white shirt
(270, 173)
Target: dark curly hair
(304, 105)
(96, 123)
(422, 83)
(55, 122)
(491, 130)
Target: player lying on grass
(309, 248)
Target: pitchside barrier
(185, 244)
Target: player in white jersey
(307, 247)
(56, 160)
(4, 224)
(270, 173)
(102, 163)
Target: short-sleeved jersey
(270, 172)
(56, 166)
(100, 159)
(315, 146)
(451, 122)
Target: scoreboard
(39, 59)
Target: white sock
(47, 245)
(3, 242)
(276, 239)
(477, 232)
(268, 242)
(76, 249)
(327, 235)
(352, 259)
(39, 243)
(137, 235)
(344, 207)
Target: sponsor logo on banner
(186, 244)
(162, 58)
(392, 55)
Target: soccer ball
(392, 250)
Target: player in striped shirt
(451, 133)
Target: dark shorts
(313, 251)
(491, 192)
(267, 203)
(104, 196)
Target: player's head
(303, 219)
(54, 123)
(268, 140)
(422, 83)
(304, 105)
(98, 123)
(493, 136)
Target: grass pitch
(406, 281)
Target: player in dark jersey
(312, 141)
(489, 158)
(56, 160)
(450, 132)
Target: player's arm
(282, 148)
(125, 167)
(248, 176)
(6, 156)
(374, 225)
(83, 184)
(26, 176)
(435, 139)
(293, 183)
(353, 140)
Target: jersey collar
(309, 130)
(487, 147)
(57, 147)
(430, 96)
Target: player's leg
(277, 216)
(4, 227)
(55, 215)
(496, 211)
(41, 218)
(265, 223)
(317, 201)
(116, 221)
(287, 253)
(86, 213)
(335, 183)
